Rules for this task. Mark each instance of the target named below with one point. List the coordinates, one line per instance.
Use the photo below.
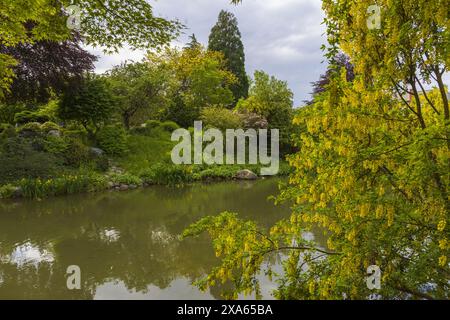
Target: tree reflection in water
(126, 244)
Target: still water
(126, 244)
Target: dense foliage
(45, 68)
(198, 79)
(127, 21)
(91, 103)
(371, 172)
(272, 99)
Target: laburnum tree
(338, 62)
(225, 37)
(372, 172)
(108, 24)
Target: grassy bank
(144, 160)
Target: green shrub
(32, 127)
(151, 124)
(147, 128)
(66, 184)
(55, 145)
(76, 153)
(220, 118)
(20, 159)
(49, 126)
(79, 134)
(30, 116)
(169, 126)
(113, 140)
(142, 131)
(101, 163)
(167, 174)
(4, 127)
(7, 191)
(126, 178)
(220, 172)
(8, 112)
(6, 132)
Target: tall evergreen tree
(225, 37)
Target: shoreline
(93, 182)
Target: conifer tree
(225, 37)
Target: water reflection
(126, 244)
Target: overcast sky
(281, 37)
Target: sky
(281, 37)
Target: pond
(126, 244)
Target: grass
(146, 151)
(64, 185)
(147, 162)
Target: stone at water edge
(246, 175)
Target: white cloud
(281, 37)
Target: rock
(124, 187)
(111, 185)
(246, 175)
(97, 151)
(54, 133)
(115, 170)
(133, 186)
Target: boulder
(97, 151)
(246, 175)
(54, 133)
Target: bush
(101, 163)
(30, 116)
(167, 174)
(76, 153)
(66, 184)
(55, 145)
(146, 128)
(220, 172)
(169, 126)
(19, 159)
(7, 131)
(126, 178)
(31, 127)
(49, 126)
(220, 118)
(113, 140)
(7, 191)
(8, 112)
(151, 124)
(141, 131)
(4, 127)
